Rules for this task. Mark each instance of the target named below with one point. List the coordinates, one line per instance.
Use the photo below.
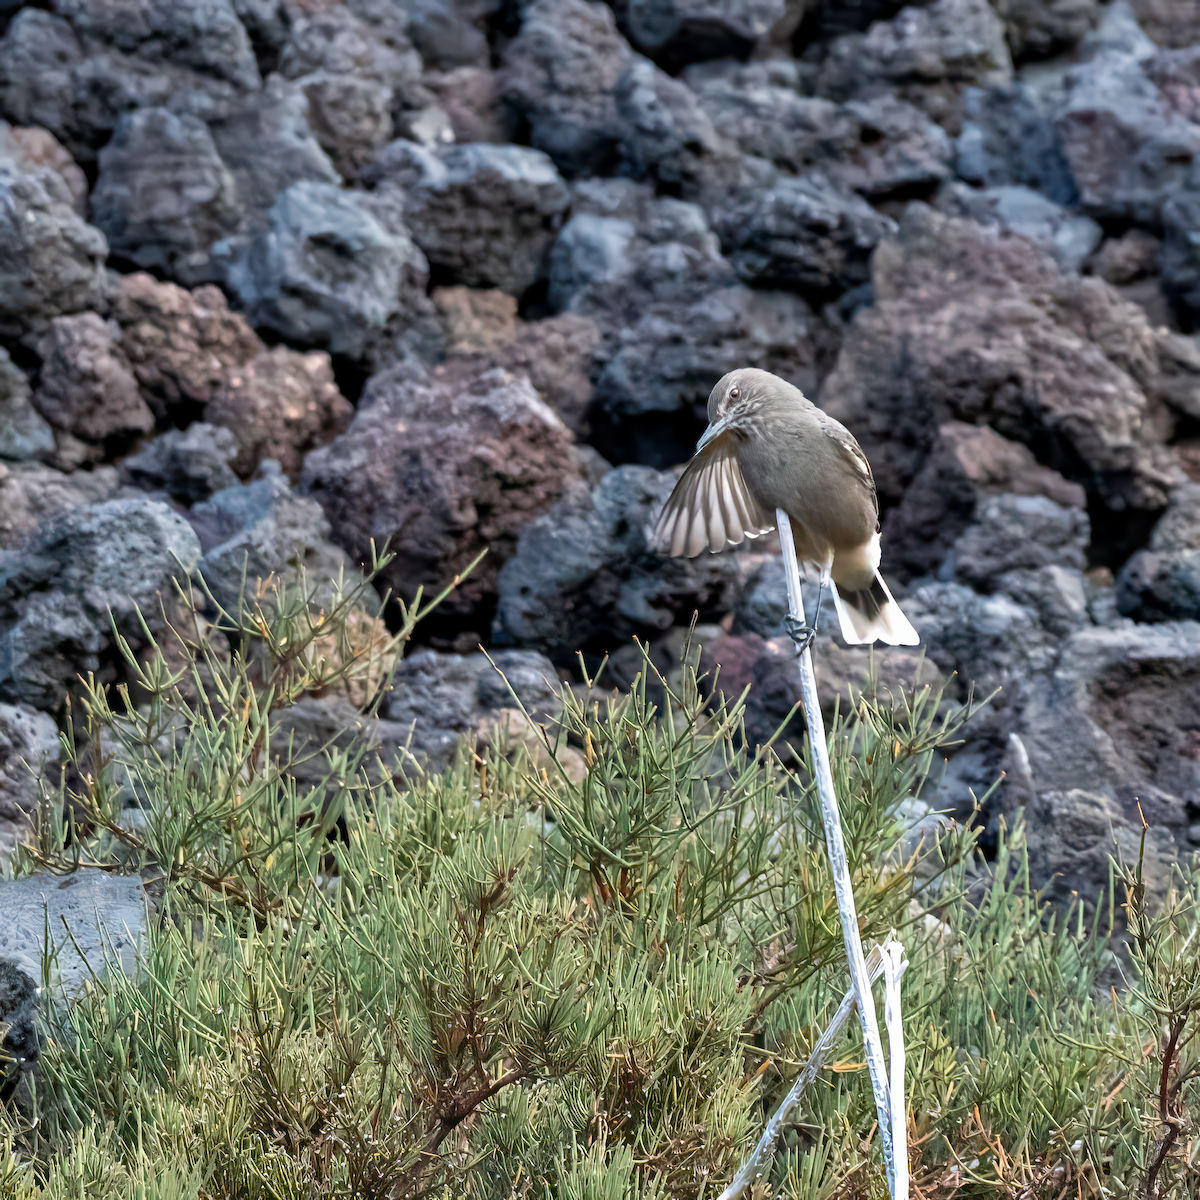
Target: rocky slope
(280, 277)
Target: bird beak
(713, 431)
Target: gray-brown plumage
(766, 447)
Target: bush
(502, 982)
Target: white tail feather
(888, 625)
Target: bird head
(739, 397)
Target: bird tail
(871, 615)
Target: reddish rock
(280, 405)
(965, 463)
(181, 344)
(441, 471)
(87, 388)
(31, 149)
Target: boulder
(29, 150)
(1109, 739)
(188, 465)
(51, 261)
(439, 472)
(332, 269)
(164, 195)
(87, 387)
(29, 752)
(965, 464)
(34, 496)
(468, 101)
(1162, 582)
(1042, 28)
(1171, 23)
(680, 31)
(204, 34)
(448, 33)
(975, 325)
(582, 577)
(483, 215)
(98, 565)
(24, 434)
(280, 405)
(560, 73)
(181, 345)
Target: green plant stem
(835, 843)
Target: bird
(767, 446)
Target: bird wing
(710, 507)
(851, 452)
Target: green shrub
(504, 982)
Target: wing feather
(710, 506)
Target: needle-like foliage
(516, 980)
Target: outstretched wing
(710, 507)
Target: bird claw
(799, 632)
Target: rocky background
(279, 277)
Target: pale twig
(836, 846)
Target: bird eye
(734, 393)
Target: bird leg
(801, 633)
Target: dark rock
(582, 577)
(38, 152)
(20, 1049)
(24, 434)
(1071, 238)
(267, 143)
(1056, 593)
(448, 33)
(441, 471)
(164, 195)
(1020, 533)
(439, 700)
(924, 53)
(257, 530)
(1041, 28)
(1109, 739)
(873, 146)
(780, 230)
(181, 345)
(1162, 583)
(101, 563)
(86, 386)
(1007, 138)
(470, 100)
(205, 34)
(280, 405)
(973, 325)
(332, 268)
(187, 464)
(688, 30)
(560, 74)
(1128, 258)
(34, 496)
(484, 215)
(51, 262)
(38, 57)
(664, 131)
(965, 464)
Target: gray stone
(691, 26)
(187, 464)
(1020, 533)
(583, 578)
(448, 33)
(95, 919)
(1070, 237)
(51, 262)
(485, 215)
(1056, 593)
(258, 529)
(1162, 582)
(38, 152)
(332, 268)
(164, 195)
(560, 74)
(24, 434)
(1041, 28)
(43, 651)
(33, 496)
(205, 34)
(29, 751)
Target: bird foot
(799, 632)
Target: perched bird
(768, 447)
